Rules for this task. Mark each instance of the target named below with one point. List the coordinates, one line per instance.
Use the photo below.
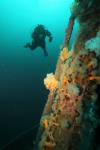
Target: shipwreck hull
(69, 119)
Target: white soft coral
(94, 44)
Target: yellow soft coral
(46, 123)
(50, 82)
(49, 145)
(65, 80)
(94, 78)
(64, 54)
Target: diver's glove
(50, 39)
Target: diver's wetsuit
(38, 37)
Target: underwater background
(22, 92)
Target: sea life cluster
(73, 99)
(69, 118)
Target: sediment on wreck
(69, 120)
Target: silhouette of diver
(39, 34)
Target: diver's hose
(18, 136)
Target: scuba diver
(39, 34)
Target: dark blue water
(22, 92)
